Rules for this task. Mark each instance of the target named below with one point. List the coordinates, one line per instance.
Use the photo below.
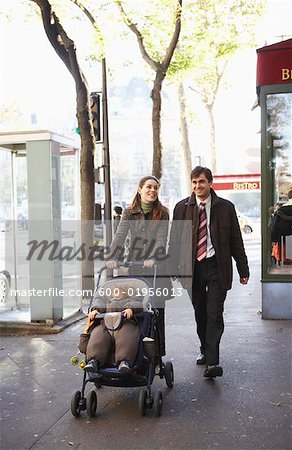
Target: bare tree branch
(160, 69)
(174, 40)
(91, 19)
(134, 29)
(60, 41)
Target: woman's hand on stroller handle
(111, 264)
(148, 263)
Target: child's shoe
(124, 367)
(91, 366)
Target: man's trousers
(208, 302)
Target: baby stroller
(148, 362)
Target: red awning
(274, 63)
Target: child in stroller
(117, 359)
(123, 332)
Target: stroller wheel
(75, 404)
(91, 403)
(157, 405)
(142, 402)
(168, 374)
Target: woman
(148, 235)
(145, 224)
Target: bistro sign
(247, 182)
(274, 63)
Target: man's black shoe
(213, 371)
(91, 366)
(201, 359)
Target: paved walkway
(248, 408)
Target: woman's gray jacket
(138, 238)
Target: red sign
(274, 64)
(237, 186)
(237, 182)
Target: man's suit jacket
(225, 236)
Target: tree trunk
(65, 48)
(212, 139)
(86, 186)
(156, 124)
(187, 156)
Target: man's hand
(128, 313)
(243, 280)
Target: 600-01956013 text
(141, 292)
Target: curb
(28, 328)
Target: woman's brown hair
(157, 207)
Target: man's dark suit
(211, 278)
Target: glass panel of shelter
(279, 140)
(14, 231)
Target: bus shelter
(274, 89)
(39, 213)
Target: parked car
(5, 282)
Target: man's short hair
(196, 172)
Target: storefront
(274, 89)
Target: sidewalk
(248, 408)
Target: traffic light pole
(106, 161)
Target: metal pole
(14, 225)
(106, 161)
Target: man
(216, 238)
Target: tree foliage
(221, 27)
(213, 31)
(157, 53)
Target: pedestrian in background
(215, 238)
(289, 199)
(117, 214)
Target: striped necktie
(202, 233)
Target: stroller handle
(126, 264)
(102, 315)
